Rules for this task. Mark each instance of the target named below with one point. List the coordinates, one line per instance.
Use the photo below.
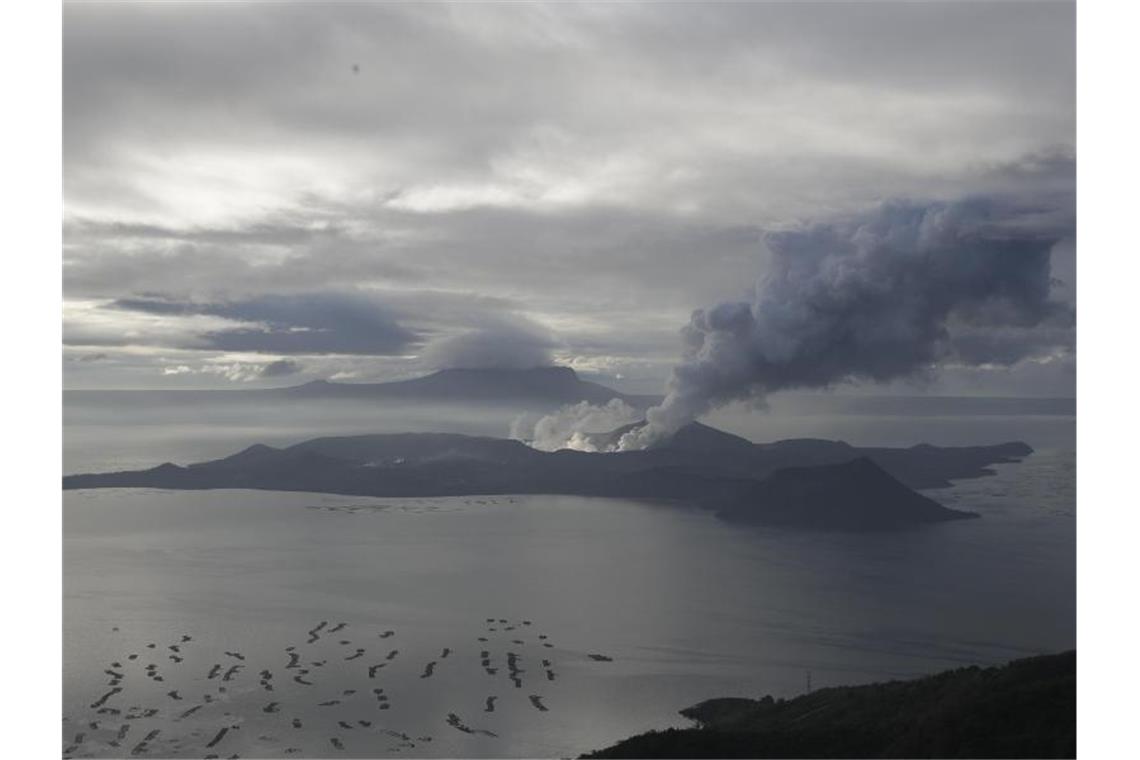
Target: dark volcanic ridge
(803, 483)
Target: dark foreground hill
(802, 484)
(1025, 709)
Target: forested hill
(1025, 709)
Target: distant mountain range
(544, 387)
(798, 483)
(548, 384)
(550, 387)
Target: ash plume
(873, 297)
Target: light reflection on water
(687, 607)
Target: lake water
(686, 607)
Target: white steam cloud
(867, 298)
(573, 426)
(874, 297)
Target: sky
(265, 194)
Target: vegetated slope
(1024, 709)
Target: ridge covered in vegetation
(1027, 708)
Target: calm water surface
(687, 608)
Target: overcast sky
(261, 194)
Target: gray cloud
(276, 233)
(96, 357)
(596, 169)
(875, 297)
(281, 368)
(299, 323)
(112, 258)
(503, 346)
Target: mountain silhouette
(558, 385)
(800, 483)
(854, 495)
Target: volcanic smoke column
(881, 296)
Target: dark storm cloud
(301, 323)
